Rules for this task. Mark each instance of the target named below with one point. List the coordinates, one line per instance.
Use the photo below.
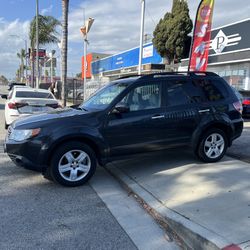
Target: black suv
(128, 116)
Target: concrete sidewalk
(207, 205)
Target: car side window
(182, 92)
(214, 90)
(143, 97)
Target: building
(126, 63)
(91, 57)
(229, 54)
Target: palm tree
(47, 27)
(64, 49)
(22, 56)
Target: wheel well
(225, 128)
(87, 141)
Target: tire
(72, 164)
(212, 146)
(6, 125)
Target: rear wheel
(72, 164)
(212, 146)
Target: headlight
(23, 134)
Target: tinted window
(181, 92)
(214, 90)
(144, 97)
(29, 94)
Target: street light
(141, 35)
(26, 52)
(85, 30)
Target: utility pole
(37, 45)
(84, 30)
(26, 62)
(141, 35)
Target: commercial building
(126, 63)
(229, 54)
(91, 57)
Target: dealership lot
(38, 214)
(212, 200)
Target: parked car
(129, 116)
(245, 102)
(12, 84)
(23, 101)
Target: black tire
(6, 125)
(217, 152)
(66, 178)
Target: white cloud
(11, 42)
(117, 23)
(47, 11)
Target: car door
(182, 109)
(141, 128)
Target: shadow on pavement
(214, 195)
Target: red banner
(202, 32)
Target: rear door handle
(204, 110)
(157, 117)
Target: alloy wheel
(214, 145)
(74, 165)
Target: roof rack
(127, 76)
(175, 73)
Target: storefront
(229, 54)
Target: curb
(190, 234)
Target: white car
(23, 101)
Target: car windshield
(102, 98)
(30, 94)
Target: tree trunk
(64, 49)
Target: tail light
(238, 106)
(16, 105)
(246, 102)
(54, 105)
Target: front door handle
(157, 117)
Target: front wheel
(72, 164)
(212, 146)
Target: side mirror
(120, 108)
(4, 96)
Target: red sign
(41, 53)
(201, 39)
(89, 60)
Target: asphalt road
(38, 214)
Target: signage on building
(229, 38)
(126, 59)
(41, 53)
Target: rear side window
(182, 92)
(29, 94)
(214, 90)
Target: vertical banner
(201, 38)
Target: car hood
(46, 117)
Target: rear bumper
(238, 128)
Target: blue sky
(116, 27)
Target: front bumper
(25, 154)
